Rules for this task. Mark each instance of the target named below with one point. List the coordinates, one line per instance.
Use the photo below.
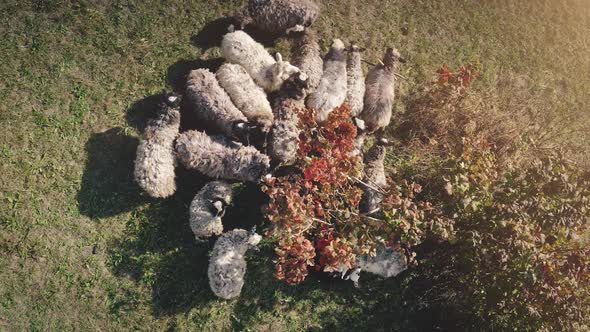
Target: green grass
(82, 248)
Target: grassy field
(82, 248)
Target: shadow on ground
(107, 187)
(212, 33)
(178, 72)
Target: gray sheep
(283, 141)
(246, 95)
(331, 91)
(380, 92)
(207, 209)
(227, 264)
(214, 107)
(386, 263)
(307, 56)
(355, 80)
(375, 181)
(155, 161)
(220, 158)
(279, 16)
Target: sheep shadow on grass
(178, 72)
(107, 187)
(212, 33)
(372, 306)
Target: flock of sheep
(255, 95)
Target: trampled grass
(82, 248)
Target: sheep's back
(277, 16)
(307, 57)
(355, 83)
(212, 104)
(247, 96)
(378, 101)
(239, 48)
(331, 91)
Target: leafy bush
(516, 258)
(444, 110)
(495, 243)
(314, 215)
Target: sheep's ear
(279, 57)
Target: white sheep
(239, 48)
(283, 141)
(155, 160)
(214, 107)
(331, 91)
(246, 95)
(279, 16)
(375, 181)
(208, 207)
(220, 158)
(380, 92)
(355, 80)
(227, 264)
(307, 56)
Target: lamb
(307, 56)
(283, 140)
(214, 107)
(239, 48)
(227, 264)
(246, 95)
(374, 180)
(386, 263)
(279, 16)
(355, 80)
(155, 160)
(220, 158)
(207, 209)
(380, 93)
(331, 91)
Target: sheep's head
(295, 86)
(259, 166)
(167, 114)
(377, 151)
(241, 131)
(282, 70)
(354, 48)
(259, 132)
(360, 125)
(337, 51)
(221, 196)
(243, 239)
(391, 57)
(173, 100)
(254, 238)
(383, 142)
(337, 44)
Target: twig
(400, 76)
(368, 185)
(381, 62)
(364, 215)
(321, 221)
